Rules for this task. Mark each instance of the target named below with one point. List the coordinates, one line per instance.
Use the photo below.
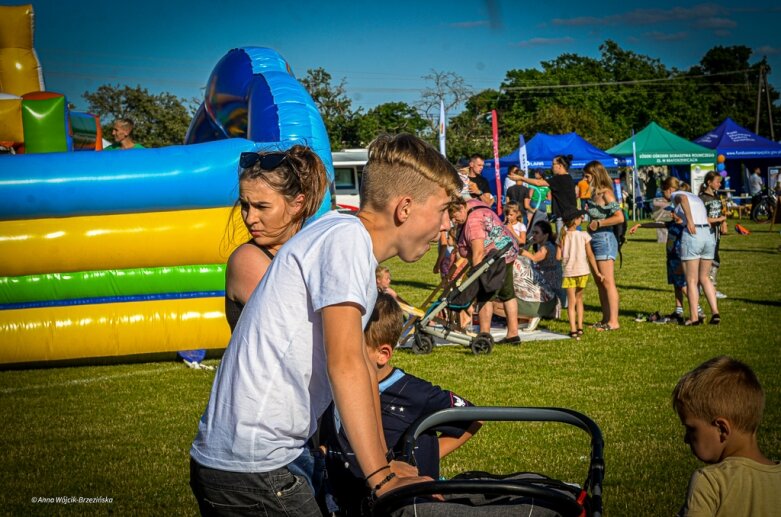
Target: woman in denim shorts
(604, 212)
(698, 245)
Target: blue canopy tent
(741, 148)
(543, 148)
(734, 141)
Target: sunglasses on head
(268, 161)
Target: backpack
(619, 230)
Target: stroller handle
(596, 471)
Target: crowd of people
(306, 410)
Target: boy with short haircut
(300, 340)
(720, 404)
(403, 399)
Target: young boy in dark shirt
(403, 399)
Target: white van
(348, 169)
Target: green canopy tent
(654, 145)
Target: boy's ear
(724, 427)
(403, 209)
(384, 354)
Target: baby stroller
(480, 493)
(458, 297)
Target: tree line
(602, 99)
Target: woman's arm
(684, 202)
(246, 267)
(616, 218)
(536, 182)
(478, 250)
(538, 256)
(592, 262)
(634, 228)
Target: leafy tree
(391, 117)
(335, 108)
(730, 86)
(159, 120)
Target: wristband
(377, 471)
(381, 484)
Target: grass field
(123, 432)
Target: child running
(574, 251)
(720, 404)
(404, 398)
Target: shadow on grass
(769, 303)
(414, 284)
(744, 250)
(643, 288)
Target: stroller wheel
(482, 344)
(422, 343)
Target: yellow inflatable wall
(20, 71)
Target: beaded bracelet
(381, 484)
(376, 471)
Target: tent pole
(634, 176)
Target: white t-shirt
(507, 184)
(272, 384)
(755, 184)
(698, 210)
(519, 228)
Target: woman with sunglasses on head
(278, 192)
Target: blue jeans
(279, 492)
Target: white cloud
(469, 25)
(650, 16)
(537, 42)
(767, 50)
(664, 36)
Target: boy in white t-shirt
(300, 340)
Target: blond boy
(304, 342)
(720, 404)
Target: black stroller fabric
(466, 505)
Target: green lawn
(124, 431)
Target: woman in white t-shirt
(698, 245)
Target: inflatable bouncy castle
(115, 254)
(33, 120)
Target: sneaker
(515, 340)
(675, 317)
(720, 295)
(532, 324)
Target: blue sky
(381, 49)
